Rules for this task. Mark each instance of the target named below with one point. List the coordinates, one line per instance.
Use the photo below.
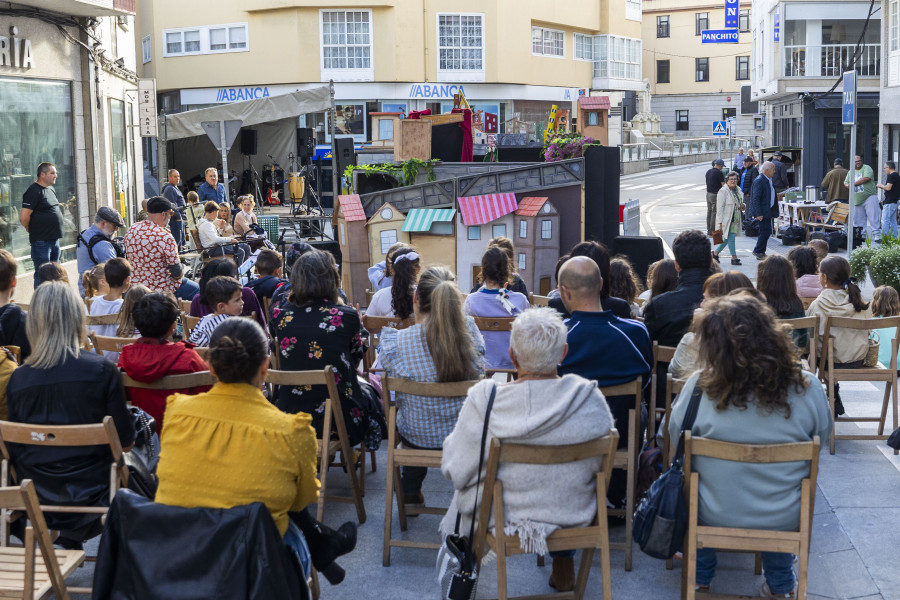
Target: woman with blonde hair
(443, 345)
(126, 327)
(223, 224)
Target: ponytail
(446, 332)
(855, 295)
(836, 270)
(90, 280)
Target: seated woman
(806, 271)
(569, 409)
(223, 266)
(223, 221)
(600, 255)
(312, 330)
(662, 277)
(494, 300)
(754, 392)
(216, 244)
(775, 279)
(397, 300)
(441, 331)
(155, 355)
(62, 384)
(229, 446)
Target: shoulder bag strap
(689, 417)
(484, 430)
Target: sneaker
(765, 592)
(759, 255)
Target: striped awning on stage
(478, 210)
(421, 219)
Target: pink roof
(351, 208)
(478, 210)
(594, 102)
(530, 206)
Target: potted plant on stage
(880, 261)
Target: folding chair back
(172, 382)
(410, 457)
(188, 323)
(587, 538)
(748, 540)
(111, 319)
(102, 343)
(661, 354)
(374, 325)
(535, 300)
(37, 569)
(811, 324)
(185, 306)
(333, 421)
(494, 323)
(369, 295)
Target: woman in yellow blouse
(230, 446)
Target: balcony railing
(830, 60)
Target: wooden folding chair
(374, 325)
(410, 457)
(328, 447)
(369, 295)
(494, 323)
(811, 324)
(99, 434)
(535, 300)
(171, 382)
(627, 459)
(25, 572)
(587, 539)
(806, 302)
(102, 343)
(880, 372)
(22, 305)
(747, 540)
(15, 351)
(661, 354)
(112, 319)
(188, 323)
(185, 306)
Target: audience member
(569, 409)
(212, 190)
(126, 326)
(662, 277)
(193, 212)
(117, 275)
(603, 347)
(443, 345)
(12, 317)
(247, 226)
(397, 300)
(775, 279)
(515, 283)
(729, 204)
(380, 273)
(51, 271)
(216, 244)
(223, 221)
(200, 306)
(296, 250)
(600, 255)
(806, 271)
(155, 355)
(171, 192)
(142, 214)
(754, 392)
(493, 299)
(624, 283)
(229, 446)
(93, 283)
(62, 384)
(821, 248)
(554, 293)
(94, 245)
(312, 330)
(269, 269)
(885, 303)
(223, 293)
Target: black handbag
(457, 567)
(894, 439)
(144, 455)
(660, 520)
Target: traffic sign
(720, 128)
(719, 36)
(731, 13)
(848, 103)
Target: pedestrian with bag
(729, 204)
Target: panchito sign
(719, 36)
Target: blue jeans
(187, 290)
(43, 252)
(889, 220)
(777, 567)
(293, 539)
(765, 230)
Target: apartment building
(68, 89)
(693, 83)
(800, 51)
(889, 127)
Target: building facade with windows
(800, 51)
(691, 83)
(890, 83)
(512, 59)
(68, 89)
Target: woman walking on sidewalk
(729, 205)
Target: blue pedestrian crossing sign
(720, 128)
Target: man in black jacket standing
(763, 202)
(715, 179)
(748, 174)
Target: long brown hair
(775, 279)
(623, 281)
(446, 332)
(748, 358)
(836, 270)
(126, 326)
(314, 279)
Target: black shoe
(838, 405)
(325, 544)
(736, 261)
(69, 544)
(715, 256)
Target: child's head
(94, 281)
(268, 262)
(804, 260)
(821, 248)
(214, 268)
(885, 302)
(155, 315)
(144, 204)
(8, 269)
(193, 197)
(126, 317)
(52, 271)
(623, 281)
(835, 271)
(117, 272)
(662, 277)
(224, 295)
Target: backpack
(117, 245)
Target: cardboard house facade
(350, 220)
(536, 239)
(384, 230)
(481, 218)
(433, 232)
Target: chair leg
(633, 427)
(894, 385)
(540, 560)
(831, 408)
(374, 462)
(362, 470)
(501, 568)
(584, 571)
(398, 491)
(884, 406)
(388, 511)
(314, 589)
(757, 564)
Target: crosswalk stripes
(636, 187)
(659, 187)
(664, 186)
(698, 188)
(681, 187)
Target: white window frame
(522, 261)
(583, 47)
(387, 243)
(558, 34)
(498, 230)
(743, 14)
(473, 232)
(546, 229)
(204, 31)
(617, 58)
(893, 44)
(347, 73)
(459, 75)
(523, 229)
(633, 10)
(146, 50)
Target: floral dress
(310, 338)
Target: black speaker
(306, 142)
(329, 246)
(601, 194)
(642, 251)
(248, 141)
(346, 154)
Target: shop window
(474, 232)
(388, 239)
(498, 231)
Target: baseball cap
(720, 162)
(111, 216)
(748, 159)
(158, 204)
(778, 153)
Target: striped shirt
(204, 329)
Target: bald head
(580, 276)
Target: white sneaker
(765, 592)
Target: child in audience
(380, 273)
(52, 271)
(93, 283)
(202, 306)
(885, 303)
(126, 327)
(270, 270)
(155, 355)
(224, 293)
(117, 275)
(515, 283)
(12, 317)
(397, 300)
(662, 277)
(821, 248)
(806, 270)
(624, 283)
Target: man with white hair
(763, 202)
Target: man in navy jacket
(763, 202)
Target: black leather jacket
(668, 316)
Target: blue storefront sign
(719, 36)
(732, 8)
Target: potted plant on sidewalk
(880, 261)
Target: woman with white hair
(62, 384)
(539, 408)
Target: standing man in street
(739, 160)
(748, 175)
(212, 189)
(41, 217)
(171, 192)
(834, 183)
(780, 178)
(762, 202)
(715, 179)
(891, 187)
(865, 200)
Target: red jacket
(147, 360)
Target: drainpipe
(90, 101)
